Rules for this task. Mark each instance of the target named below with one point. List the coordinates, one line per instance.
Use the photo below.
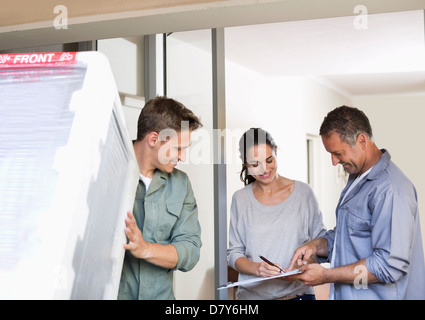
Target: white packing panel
(68, 176)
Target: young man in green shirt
(163, 230)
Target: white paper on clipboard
(240, 283)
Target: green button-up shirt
(167, 214)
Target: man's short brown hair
(348, 122)
(162, 113)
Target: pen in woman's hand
(271, 263)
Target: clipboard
(257, 279)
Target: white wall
(397, 124)
(124, 58)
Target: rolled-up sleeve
(393, 232)
(186, 235)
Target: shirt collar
(380, 166)
(159, 177)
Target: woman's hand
(259, 269)
(265, 270)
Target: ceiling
(87, 20)
(386, 57)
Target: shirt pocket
(167, 220)
(358, 226)
(358, 242)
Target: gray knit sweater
(274, 232)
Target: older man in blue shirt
(375, 249)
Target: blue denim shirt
(379, 220)
(167, 214)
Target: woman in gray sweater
(271, 216)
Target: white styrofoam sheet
(68, 175)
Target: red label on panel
(44, 59)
